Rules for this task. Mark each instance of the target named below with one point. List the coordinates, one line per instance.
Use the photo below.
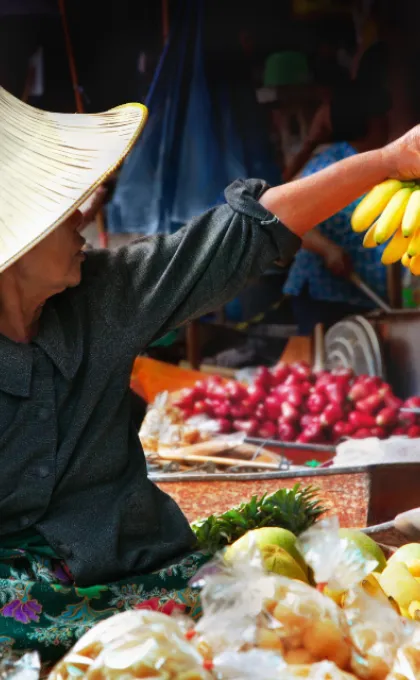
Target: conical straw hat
(50, 163)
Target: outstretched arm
(306, 202)
(160, 283)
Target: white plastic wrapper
(263, 665)
(376, 630)
(247, 608)
(253, 664)
(26, 667)
(407, 661)
(334, 561)
(164, 429)
(372, 451)
(232, 598)
(135, 644)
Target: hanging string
(70, 57)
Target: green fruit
(267, 536)
(367, 546)
(279, 561)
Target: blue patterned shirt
(309, 268)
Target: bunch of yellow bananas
(391, 212)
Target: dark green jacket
(72, 467)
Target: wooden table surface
(345, 495)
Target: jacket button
(43, 471)
(44, 413)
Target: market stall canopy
(204, 130)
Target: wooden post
(70, 57)
(100, 224)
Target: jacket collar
(59, 338)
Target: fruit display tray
(360, 496)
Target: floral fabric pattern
(41, 609)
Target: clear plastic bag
(324, 670)
(406, 664)
(258, 664)
(253, 664)
(244, 608)
(26, 667)
(164, 429)
(377, 631)
(135, 644)
(375, 628)
(163, 426)
(335, 562)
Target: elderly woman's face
(55, 263)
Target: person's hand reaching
(402, 157)
(337, 261)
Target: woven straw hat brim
(50, 163)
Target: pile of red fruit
(291, 403)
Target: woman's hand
(402, 157)
(308, 201)
(338, 262)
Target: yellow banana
(391, 218)
(414, 567)
(395, 248)
(411, 220)
(371, 206)
(415, 265)
(405, 260)
(414, 244)
(369, 239)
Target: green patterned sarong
(41, 609)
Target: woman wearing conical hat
(81, 526)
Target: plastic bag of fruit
(135, 644)
(346, 572)
(263, 665)
(407, 660)
(23, 667)
(164, 431)
(163, 426)
(253, 664)
(244, 607)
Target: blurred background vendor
(317, 280)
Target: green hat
(286, 68)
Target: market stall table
(360, 496)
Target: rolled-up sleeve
(160, 283)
